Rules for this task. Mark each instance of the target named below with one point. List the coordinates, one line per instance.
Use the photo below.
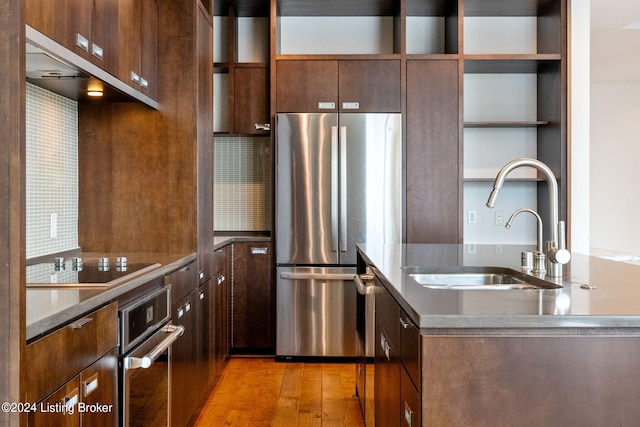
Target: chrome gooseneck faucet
(556, 251)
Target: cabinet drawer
(410, 402)
(410, 348)
(182, 281)
(57, 357)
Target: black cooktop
(48, 274)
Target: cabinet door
(39, 14)
(99, 386)
(387, 359)
(149, 48)
(205, 339)
(128, 69)
(251, 99)
(370, 86)
(302, 85)
(60, 409)
(410, 403)
(183, 366)
(221, 310)
(253, 306)
(433, 153)
(72, 25)
(104, 35)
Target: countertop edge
(43, 326)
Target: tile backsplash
(51, 172)
(242, 183)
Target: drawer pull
(90, 385)
(78, 324)
(258, 251)
(405, 324)
(97, 51)
(82, 42)
(408, 414)
(71, 400)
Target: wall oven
(146, 337)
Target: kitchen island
(564, 356)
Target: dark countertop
(49, 308)
(615, 303)
(221, 241)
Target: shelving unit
(457, 43)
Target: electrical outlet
(472, 217)
(53, 229)
(498, 218)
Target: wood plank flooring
(256, 392)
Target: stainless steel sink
(476, 278)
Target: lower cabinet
(253, 305)
(89, 399)
(397, 364)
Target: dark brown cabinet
(350, 85)
(397, 364)
(433, 152)
(89, 399)
(221, 311)
(250, 101)
(138, 45)
(252, 314)
(84, 27)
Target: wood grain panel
(70, 350)
(251, 99)
(531, 380)
(300, 85)
(375, 84)
(12, 213)
(433, 154)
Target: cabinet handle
(144, 83)
(97, 51)
(350, 105)
(82, 42)
(385, 347)
(187, 307)
(408, 414)
(90, 385)
(71, 400)
(263, 126)
(405, 324)
(326, 105)
(135, 77)
(78, 324)
(258, 251)
(202, 295)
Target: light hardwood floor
(256, 392)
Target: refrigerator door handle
(343, 189)
(335, 206)
(317, 276)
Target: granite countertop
(47, 308)
(614, 303)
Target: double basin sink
(476, 278)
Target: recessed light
(95, 93)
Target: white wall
(579, 139)
(614, 128)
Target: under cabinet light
(95, 92)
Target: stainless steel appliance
(338, 183)
(146, 337)
(365, 331)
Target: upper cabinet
(116, 36)
(338, 85)
(84, 27)
(138, 45)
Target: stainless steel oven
(365, 325)
(146, 337)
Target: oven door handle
(361, 281)
(144, 362)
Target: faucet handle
(559, 256)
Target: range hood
(53, 67)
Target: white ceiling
(615, 52)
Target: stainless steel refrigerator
(338, 183)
